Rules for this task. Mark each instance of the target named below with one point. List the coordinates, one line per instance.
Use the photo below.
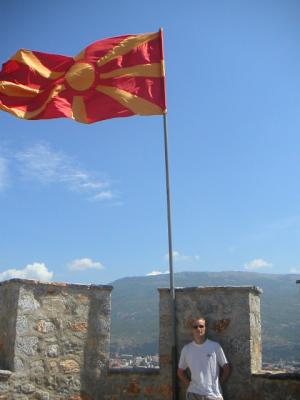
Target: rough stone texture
(60, 338)
(272, 386)
(135, 384)
(8, 309)
(229, 312)
(54, 344)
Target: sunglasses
(198, 326)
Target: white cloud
(3, 173)
(37, 271)
(47, 166)
(177, 257)
(257, 263)
(294, 270)
(81, 264)
(104, 195)
(155, 272)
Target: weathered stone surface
(70, 346)
(221, 325)
(133, 387)
(78, 326)
(61, 334)
(37, 376)
(42, 395)
(69, 366)
(53, 367)
(22, 324)
(37, 364)
(4, 374)
(27, 345)
(19, 364)
(27, 302)
(44, 326)
(28, 388)
(55, 305)
(53, 350)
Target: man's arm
(225, 372)
(182, 376)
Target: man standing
(207, 364)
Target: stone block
(69, 366)
(22, 324)
(27, 388)
(53, 367)
(133, 387)
(53, 350)
(78, 326)
(5, 374)
(28, 345)
(4, 387)
(40, 395)
(43, 326)
(27, 302)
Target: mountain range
(135, 301)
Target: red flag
(114, 77)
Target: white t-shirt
(204, 361)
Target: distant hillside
(135, 310)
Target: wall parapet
(5, 374)
(55, 337)
(277, 375)
(136, 371)
(55, 284)
(253, 289)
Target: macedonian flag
(114, 77)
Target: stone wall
(54, 344)
(61, 343)
(231, 314)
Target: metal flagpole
(172, 289)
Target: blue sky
(87, 204)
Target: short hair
(192, 320)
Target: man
(205, 360)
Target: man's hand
(182, 376)
(225, 372)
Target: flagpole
(171, 273)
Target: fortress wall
(54, 344)
(228, 311)
(233, 320)
(62, 339)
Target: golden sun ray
(80, 55)
(31, 114)
(78, 109)
(18, 90)
(154, 70)
(28, 58)
(134, 103)
(126, 45)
